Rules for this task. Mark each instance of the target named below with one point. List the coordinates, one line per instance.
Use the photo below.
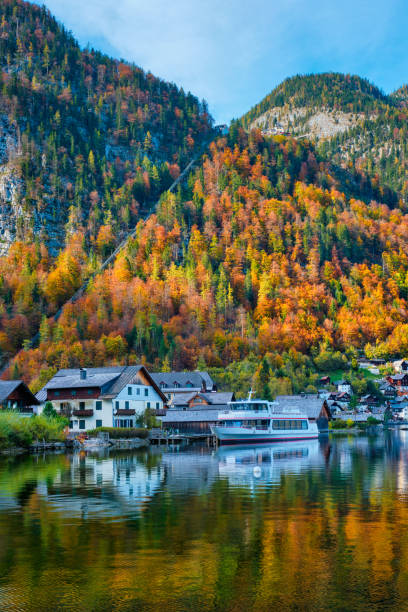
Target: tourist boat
(260, 422)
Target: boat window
(289, 424)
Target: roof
(74, 381)
(213, 398)
(399, 376)
(311, 405)
(8, 386)
(111, 380)
(185, 380)
(189, 416)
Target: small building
(15, 395)
(387, 390)
(316, 409)
(194, 413)
(369, 400)
(325, 380)
(103, 397)
(184, 382)
(400, 382)
(343, 386)
(400, 366)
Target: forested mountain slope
(261, 261)
(84, 139)
(351, 120)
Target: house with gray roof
(184, 382)
(15, 395)
(195, 412)
(103, 397)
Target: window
(146, 392)
(126, 405)
(176, 384)
(163, 385)
(81, 423)
(137, 391)
(56, 393)
(98, 405)
(117, 405)
(99, 422)
(289, 424)
(71, 424)
(73, 392)
(82, 405)
(129, 390)
(148, 404)
(157, 405)
(61, 405)
(89, 391)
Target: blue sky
(232, 53)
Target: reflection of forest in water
(313, 525)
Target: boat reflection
(249, 465)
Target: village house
(184, 382)
(400, 366)
(343, 386)
(194, 413)
(316, 409)
(400, 382)
(103, 397)
(387, 390)
(15, 395)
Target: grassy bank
(18, 431)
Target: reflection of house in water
(189, 471)
(112, 486)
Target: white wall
(102, 417)
(138, 399)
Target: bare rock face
(11, 212)
(314, 123)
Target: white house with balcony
(103, 397)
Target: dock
(160, 436)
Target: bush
(16, 430)
(340, 424)
(120, 432)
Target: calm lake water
(320, 525)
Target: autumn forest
(272, 262)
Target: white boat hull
(238, 435)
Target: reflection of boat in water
(244, 465)
(261, 422)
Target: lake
(319, 525)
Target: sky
(233, 53)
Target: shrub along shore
(22, 432)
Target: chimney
(82, 373)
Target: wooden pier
(159, 437)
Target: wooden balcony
(125, 412)
(83, 413)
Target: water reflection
(303, 525)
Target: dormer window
(176, 384)
(189, 384)
(163, 385)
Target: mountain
(277, 258)
(83, 137)
(259, 268)
(352, 122)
